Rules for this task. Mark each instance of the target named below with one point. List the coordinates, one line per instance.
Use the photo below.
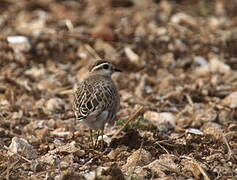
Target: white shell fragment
(194, 131)
(17, 39)
(19, 43)
(132, 56)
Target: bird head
(103, 67)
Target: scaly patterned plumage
(96, 100)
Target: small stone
(140, 157)
(231, 100)
(156, 167)
(35, 72)
(202, 114)
(114, 172)
(42, 133)
(47, 85)
(140, 172)
(232, 127)
(163, 121)
(202, 70)
(216, 65)
(55, 105)
(64, 165)
(160, 165)
(200, 61)
(104, 32)
(95, 173)
(213, 129)
(183, 18)
(225, 116)
(116, 152)
(51, 123)
(69, 148)
(191, 166)
(68, 174)
(61, 134)
(36, 166)
(22, 147)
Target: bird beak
(117, 70)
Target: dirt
(179, 64)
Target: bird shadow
(131, 139)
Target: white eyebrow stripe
(98, 66)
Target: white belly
(97, 122)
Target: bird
(96, 98)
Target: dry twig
(162, 147)
(22, 157)
(190, 101)
(199, 167)
(9, 169)
(228, 146)
(134, 167)
(92, 51)
(137, 113)
(172, 169)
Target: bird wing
(93, 99)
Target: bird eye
(106, 66)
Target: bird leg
(91, 138)
(97, 137)
(102, 133)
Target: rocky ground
(178, 88)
